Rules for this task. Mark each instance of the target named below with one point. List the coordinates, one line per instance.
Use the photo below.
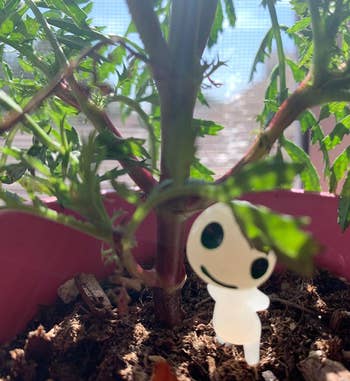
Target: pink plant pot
(37, 255)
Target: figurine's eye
(259, 268)
(212, 235)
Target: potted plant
(165, 72)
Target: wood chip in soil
(70, 343)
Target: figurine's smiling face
(220, 255)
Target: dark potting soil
(69, 343)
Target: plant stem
(303, 97)
(321, 44)
(169, 266)
(151, 35)
(280, 52)
(177, 72)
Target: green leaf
(317, 136)
(298, 73)
(308, 175)
(268, 230)
(6, 27)
(340, 165)
(32, 26)
(344, 204)
(126, 193)
(7, 71)
(71, 27)
(307, 120)
(230, 12)
(300, 25)
(324, 112)
(306, 58)
(73, 10)
(216, 28)
(341, 129)
(36, 164)
(206, 127)
(339, 109)
(113, 148)
(201, 172)
(268, 174)
(201, 98)
(25, 65)
(263, 51)
(112, 174)
(12, 173)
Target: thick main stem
(178, 100)
(169, 266)
(177, 73)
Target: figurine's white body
(222, 257)
(235, 320)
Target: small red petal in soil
(162, 372)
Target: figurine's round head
(219, 253)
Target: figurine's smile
(206, 272)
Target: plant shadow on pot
(37, 255)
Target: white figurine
(219, 253)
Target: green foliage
(265, 230)
(62, 66)
(308, 175)
(264, 175)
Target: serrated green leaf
(268, 174)
(32, 26)
(307, 120)
(34, 185)
(307, 56)
(298, 73)
(36, 164)
(341, 129)
(105, 70)
(217, 26)
(309, 175)
(300, 25)
(200, 172)
(7, 71)
(324, 112)
(317, 136)
(202, 99)
(263, 52)
(206, 127)
(126, 193)
(6, 27)
(74, 11)
(338, 109)
(25, 65)
(344, 204)
(112, 174)
(268, 230)
(113, 148)
(12, 172)
(230, 12)
(69, 26)
(340, 166)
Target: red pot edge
(334, 261)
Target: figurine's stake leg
(252, 353)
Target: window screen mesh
(237, 47)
